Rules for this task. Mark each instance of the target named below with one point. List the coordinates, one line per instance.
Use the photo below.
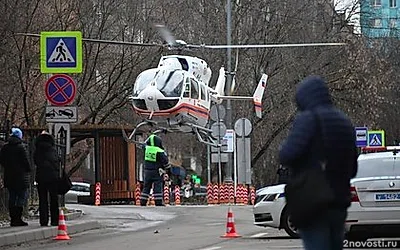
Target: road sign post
(376, 138)
(60, 90)
(243, 128)
(61, 114)
(361, 136)
(63, 135)
(61, 52)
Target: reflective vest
(151, 151)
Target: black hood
(44, 141)
(312, 92)
(14, 140)
(157, 141)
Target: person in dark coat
(155, 164)
(14, 158)
(283, 174)
(339, 148)
(47, 163)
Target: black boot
(18, 218)
(13, 220)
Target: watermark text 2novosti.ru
(372, 244)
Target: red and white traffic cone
(230, 226)
(62, 228)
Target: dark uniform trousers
(152, 177)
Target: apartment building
(380, 18)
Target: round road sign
(60, 90)
(218, 129)
(243, 127)
(217, 112)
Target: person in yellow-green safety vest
(155, 163)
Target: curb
(73, 215)
(45, 233)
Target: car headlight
(259, 198)
(267, 197)
(271, 197)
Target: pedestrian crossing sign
(61, 52)
(376, 138)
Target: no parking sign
(60, 90)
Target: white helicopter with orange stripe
(176, 95)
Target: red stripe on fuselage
(192, 109)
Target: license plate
(387, 197)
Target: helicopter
(176, 96)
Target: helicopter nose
(150, 95)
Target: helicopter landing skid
(204, 136)
(131, 137)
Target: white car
(269, 209)
(77, 189)
(375, 206)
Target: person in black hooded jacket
(154, 161)
(15, 161)
(47, 163)
(338, 146)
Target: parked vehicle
(375, 207)
(77, 189)
(270, 209)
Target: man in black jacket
(47, 163)
(15, 161)
(338, 138)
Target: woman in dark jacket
(47, 163)
(15, 161)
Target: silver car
(77, 189)
(375, 206)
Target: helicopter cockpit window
(203, 93)
(187, 89)
(143, 80)
(194, 90)
(170, 82)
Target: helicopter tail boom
(258, 95)
(220, 86)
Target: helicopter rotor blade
(166, 34)
(103, 41)
(250, 46)
(235, 70)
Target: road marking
(215, 224)
(258, 235)
(210, 248)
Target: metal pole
(208, 162)
(219, 148)
(244, 147)
(228, 173)
(234, 167)
(97, 168)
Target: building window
(376, 23)
(376, 3)
(392, 4)
(392, 23)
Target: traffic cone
(62, 228)
(230, 226)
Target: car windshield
(143, 80)
(378, 167)
(170, 82)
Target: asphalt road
(155, 228)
